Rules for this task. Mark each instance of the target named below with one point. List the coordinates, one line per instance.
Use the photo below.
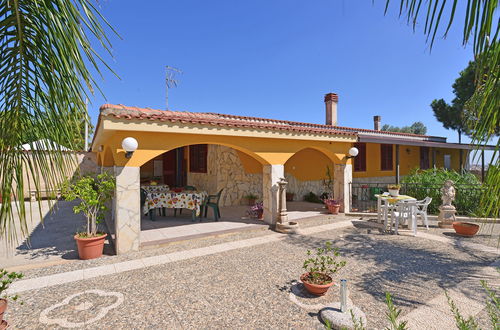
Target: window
(447, 162)
(424, 158)
(386, 163)
(198, 158)
(360, 159)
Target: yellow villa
(247, 155)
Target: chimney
(376, 122)
(331, 101)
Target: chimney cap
(331, 97)
(377, 118)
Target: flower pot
(3, 308)
(289, 197)
(394, 192)
(251, 201)
(3, 325)
(315, 289)
(90, 248)
(465, 229)
(333, 208)
(260, 214)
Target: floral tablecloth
(156, 189)
(191, 200)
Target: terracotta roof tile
(126, 112)
(217, 119)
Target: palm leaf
(481, 25)
(45, 58)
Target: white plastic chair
(404, 211)
(422, 210)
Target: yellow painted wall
(250, 165)
(308, 165)
(409, 159)
(263, 150)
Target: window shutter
(360, 159)
(386, 159)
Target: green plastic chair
(213, 202)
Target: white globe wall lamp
(129, 144)
(353, 152)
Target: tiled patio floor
(165, 229)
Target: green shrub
(312, 197)
(423, 183)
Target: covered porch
(237, 158)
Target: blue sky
(277, 58)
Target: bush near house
(422, 183)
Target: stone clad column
(342, 178)
(270, 189)
(127, 209)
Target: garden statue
(447, 210)
(448, 193)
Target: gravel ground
(172, 247)
(250, 287)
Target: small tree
(93, 192)
(416, 128)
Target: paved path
(247, 283)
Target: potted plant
(251, 198)
(319, 269)
(332, 205)
(6, 280)
(257, 211)
(289, 196)
(94, 192)
(394, 189)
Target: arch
(108, 159)
(309, 164)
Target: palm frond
(45, 57)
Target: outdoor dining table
(191, 200)
(391, 200)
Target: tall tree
(45, 58)
(480, 25)
(456, 115)
(416, 128)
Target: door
(174, 172)
(169, 168)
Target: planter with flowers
(93, 192)
(256, 211)
(319, 269)
(6, 280)
(332, 205)
(394, 189)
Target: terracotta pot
(251, 201)
(3, 308)
(90, 248)
(260, 214)
(3, 325)
(315, 289)
(333, 208)
(465, 228)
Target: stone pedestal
(339, 320)
(446, 216)
(127, 209)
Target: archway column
(342, 184)
(127, 209)
(270, 189)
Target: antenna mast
(170, 80)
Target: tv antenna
(170, 80)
